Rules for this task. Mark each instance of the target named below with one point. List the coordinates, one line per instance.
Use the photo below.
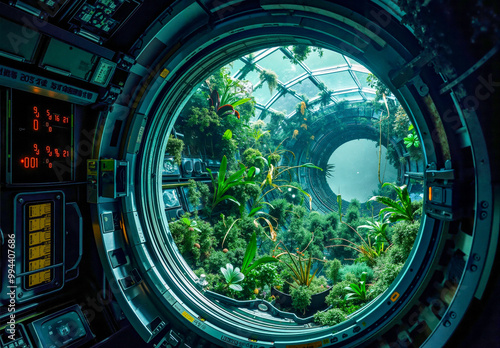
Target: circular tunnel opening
(356, 177)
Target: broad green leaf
(222, 171)
(310, 165)
(251, 172)
(236, 175)
(262, 260)
(254, 211)
(227, 134)
(238, 276)
(186, 221)
(263, 158)
(241, 101)
(236, 287)
(249, 253)
(229, 198)
(226, 272)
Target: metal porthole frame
(155, 288)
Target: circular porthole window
(165, 292)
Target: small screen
(42, 139)
(38, 234)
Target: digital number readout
(38, 231)
(42, 139)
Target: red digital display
(42, 139)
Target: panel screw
(476, 257)
(447, 323)
(20, 294)
(483, 215)
(20, 200)
(473, 268)
(453, 315)
(484, 204)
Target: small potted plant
(303, 297)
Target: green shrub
(333, 220)
(332, 271)
(216, 260)
(236, 256)
(174, 148)
(351, 277)
(249, 158)
(318, 284)
(301, 298)
(258, 278)
(203, 118)
(338, 293)
(357, 269)
(349, 307)
(280, 210)
(386, 273)
(194, 240)
(403, 236)
(331, 317)
(220, 229)
(293, 195)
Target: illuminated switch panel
(39, 242)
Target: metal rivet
(484, 204)
(453, 315)
(447, 323)
(476, 257)
(483, 215)
(20, 200)
(473, 268)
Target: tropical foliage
(232, 276)
(252, 226)
(397, 210)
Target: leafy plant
(174, 148)
(225, 109)
(250, 252)
(412, 138)
(378, 229)
(333, 268)
(232, 276)
(190, 224)
(337, 295)
(397, 210)
(273, 177)
(301, 298)
(368, 252)
(357, 291)
(230, 96)
(357, 270)
(331, 317)
(269, 77)
(241, 177)
(205, 118)
(258, 133)
(227, 134)
(301, 52)
(300, 267)
(325, 97)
